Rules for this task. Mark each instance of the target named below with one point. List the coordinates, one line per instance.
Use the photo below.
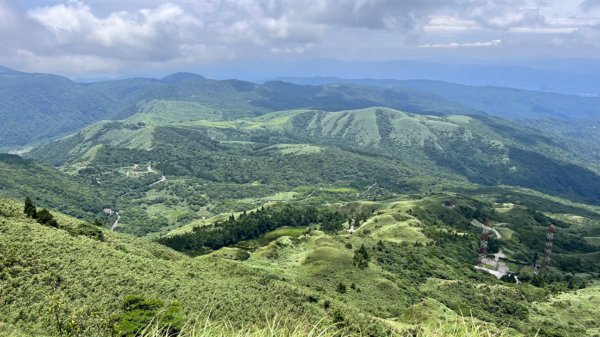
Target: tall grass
(462, 327)
(273, 327)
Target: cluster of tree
(46, 218)
(360, 218)
(361, 257)
(43, 216)
(250, 226)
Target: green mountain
(176, 162)
(40, 106)
(515, 104)
(507, 103)
(37, 107)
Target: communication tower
(548, 249)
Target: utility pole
(483, 241)
(548, 249)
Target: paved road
(479, 224)
(114, 226)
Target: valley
(333, 209)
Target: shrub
(139, 313)
(44, 217)
(90, 231)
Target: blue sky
(80, 38)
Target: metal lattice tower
(548, 248)
(483, 241)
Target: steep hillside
(49, 276)
(24, 177)
(405, 269)
(39, 106)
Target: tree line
(251, 225)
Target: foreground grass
(461, 327)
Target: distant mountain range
(36, 107)
(509, 103)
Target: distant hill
(177, 153)
(38, 107)
(514, 104)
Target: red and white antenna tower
(548, 249)
(483, 241)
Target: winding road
(114, 226)
(162, 179)
(479, 224)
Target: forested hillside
(38, 107)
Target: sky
(100, 38)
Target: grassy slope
(93, 277)
(84, 280)
(293, 275)
(23, 177)
(570, 313)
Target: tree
(44, 217)
(341, 288)
(29, 208)
(98, 223)
(361, 257)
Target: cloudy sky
(84, 37)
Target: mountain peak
(181, 77)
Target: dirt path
(114, 226)
(162, 179)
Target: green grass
(295, 149)
(293, 274)
(272, 236)
(456, 327)
(96, 276)
(570, 314)
(166, 112)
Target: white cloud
(544, 30)
(449, 24)
(147, 34)
(91, 35)
(493, 43)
